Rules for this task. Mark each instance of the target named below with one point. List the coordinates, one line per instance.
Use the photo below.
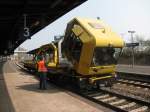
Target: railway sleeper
(109, 99)
(136, 83)
(102, 96)
(128, 105)
(140, 109)
(118, 102)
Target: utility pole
(132, 32)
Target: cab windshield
(105, 56)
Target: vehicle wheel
(97, 86)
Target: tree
(139, 38)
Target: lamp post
(98, 18)
(132, 32)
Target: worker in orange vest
(42, 70)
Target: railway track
(117, 102)
(135, 80)
(142, 84)
(114, 101)
(134, 76)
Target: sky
(120, 15)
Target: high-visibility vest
(41, 66)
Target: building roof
(39, 13)
(20, 50)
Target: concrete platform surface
(135, 69)
(5, 101)
(26, 97)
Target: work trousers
(43, 80)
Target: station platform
(19, 93)
(134, 69)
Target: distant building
(19, 54)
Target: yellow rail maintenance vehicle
(86, 55)
(51, 52)
(52, 55)
(93, 49)
(48, 51)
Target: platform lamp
(132, 32)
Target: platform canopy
(34, 51)
(35, 13)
